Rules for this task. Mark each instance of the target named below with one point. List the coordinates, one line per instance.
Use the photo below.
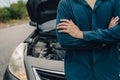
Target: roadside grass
(11, 23)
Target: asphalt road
(10, 38)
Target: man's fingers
(62, 27)
(116, 23)
(65, 20)
(112, 18)
(71, 21)
(64, 31)
(115, 19)
(62, 24)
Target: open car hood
(46, 26)
(41, 11)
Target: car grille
(42, 74)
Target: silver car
(40, 56)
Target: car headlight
(16, 64)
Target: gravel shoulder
(12, 23)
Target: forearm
(67, 41)
(103, 35)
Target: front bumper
(33, 67)
(9, 76)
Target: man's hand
(113, 22)
(68, 26)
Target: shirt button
(103, 45)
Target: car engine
(46, 48)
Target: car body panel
(41, 12)
(31, 62)
(9, 76)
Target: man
(89, 36)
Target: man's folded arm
(103, 35)
(110, 35)
(65, 40)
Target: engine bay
(46, 48)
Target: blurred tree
(18, 11)
(4, 14)
(23, 11)
(15, 11)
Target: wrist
(81, 35)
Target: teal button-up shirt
(96, 56)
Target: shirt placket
(93, 21)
